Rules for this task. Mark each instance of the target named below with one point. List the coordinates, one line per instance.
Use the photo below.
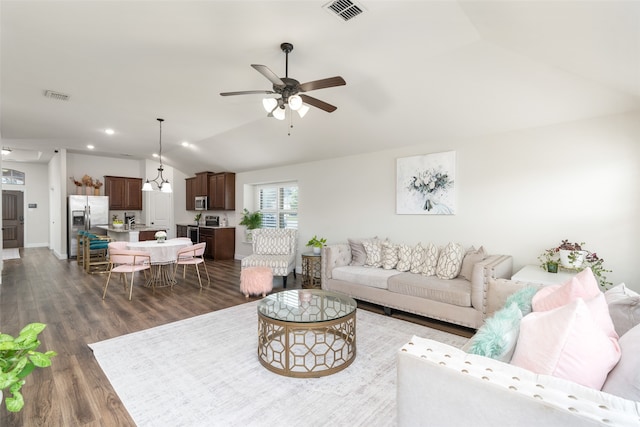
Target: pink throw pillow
(583, 285)
(567, 343)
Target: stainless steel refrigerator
(85, 213)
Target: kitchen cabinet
(221, 242)
(147, 235)
(181, 231)
(202, 183)
(124, 193)
(190, 194)
(222, 191)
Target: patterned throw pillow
(389, 255)
(450, 261)
(404, 258)
(417, 259)
(431, 260)
(373, 248)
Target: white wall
(518, 194)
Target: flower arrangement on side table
(18, 359)
(572, 256)
(161, 236)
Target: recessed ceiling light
(109, 131)
(185, 143)
(90, 147)
(155, 155)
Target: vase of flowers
(161, 236)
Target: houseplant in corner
(251, 220)
(573, 256)
(317, 244)
(18, 359)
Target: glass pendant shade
(269, 104)
(147, 186)
(295, 102)
(303, 110)
(166, 187)
(278, 113)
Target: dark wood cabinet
(190, 194)
(221, 242)
(124, 193)
(222, 191)
(147, 235)
(202, 183)
(181, 231)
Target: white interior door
(159, 210)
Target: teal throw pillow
(498, 336)
(523, 298)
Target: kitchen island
(138, 233)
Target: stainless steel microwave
(201, 203)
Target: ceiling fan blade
(318, 104)
(248, 92)
(322, 84)
(265, 71)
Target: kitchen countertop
(206, 226)
(137, 228)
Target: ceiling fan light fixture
(304, 108)
(279, 114)
(269, 104)
(295, 102)
(6, 151)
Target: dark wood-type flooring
(74, 391)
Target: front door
(12, 219)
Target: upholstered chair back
(274, 241)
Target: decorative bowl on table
(118, 225)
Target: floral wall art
(426, 184)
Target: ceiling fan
(289, 88)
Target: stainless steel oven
(193, 233)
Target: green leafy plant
(315, 242)
(251, 220)
(197, 217)
(591, 260)
(18, 359)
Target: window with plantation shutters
(278, 204)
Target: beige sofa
(458, 300)
(434, 378)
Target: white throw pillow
(417, 259)
(431, 260)
(404, 258)
(450, 261)
(624, 379)
(389, 255)
(624, 308)
(373, 248)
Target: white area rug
(11, 253)
(204, 371)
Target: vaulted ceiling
(416, 71)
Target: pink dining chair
(192, 255)
(126, 261)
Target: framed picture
(426, 184)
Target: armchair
(276, 249)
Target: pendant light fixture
(163, 184)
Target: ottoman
(256, 281)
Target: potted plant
(18, 359)
(572, 256)
(197, 218)
(317, 244)
(251, 220)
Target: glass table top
(306, 306)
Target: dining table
(164, 254)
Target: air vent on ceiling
(56, 95)
(344, 9)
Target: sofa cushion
(417, 259)
(366, 276)
(389, 256)
(373, 249)
(568, 343)
(271, 245)
(583, 285)
(431, 260)
(498, 336)
(455, 292)
(470, 258)
(358, 254)
(450, 261)
(624, 308)
(624, 379)
(404, 257)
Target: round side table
(311, 264)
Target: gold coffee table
(306, 333)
